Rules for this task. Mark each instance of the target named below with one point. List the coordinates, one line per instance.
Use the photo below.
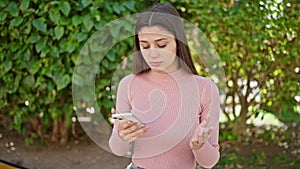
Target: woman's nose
(153, 52)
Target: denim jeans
(132, 166)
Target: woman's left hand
(201, 135)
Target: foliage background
(258, 42)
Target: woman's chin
(157, 69)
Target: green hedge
(40, 42)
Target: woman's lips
(155, 64)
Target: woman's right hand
(130, 131)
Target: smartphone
(127, 116)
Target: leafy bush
(257, 40)
(40, 44)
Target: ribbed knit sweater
(172, 106)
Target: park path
(75, 155)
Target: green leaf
(99, 25)
(54, 15)
(13, 9)
(5, 67)
(3, 3)
(24, 5)
(85, 3)
(54, 3)
(105, 63)
(57, 68)
(115, 30)
(28, 27)
(129, 5)
(88, 23)
(14, 46)
(3, 16)
(34, 68)
(111, 56)
(63, 82)
(47, 71)
(70, 47)
(41, 44)
(65, 21)
(34, 38)
(81, 37)
(28, 82)
(16, 83)
(18, 119)
(39, 25)
(54, 51)
(65, 7)
(59, 32)
(16, 21)
(118, 9)
(76, 20)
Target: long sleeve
(135, 93)
(208, 155)
(116, 144)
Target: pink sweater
(172, 106)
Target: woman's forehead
(154, 32)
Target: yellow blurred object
(7, 165)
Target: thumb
(203, 123)
(197, 132)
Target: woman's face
(158, 47)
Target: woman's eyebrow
(157, 40)
(160, 39)
(143, 41)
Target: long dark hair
(167, 17)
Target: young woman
(177, 106)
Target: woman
(177, 106)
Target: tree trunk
(63, 131)
(37, 126)
(55, 131)
(240, 126)
(60, 131)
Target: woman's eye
(145, 47)
(162, 45)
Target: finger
(208, 131)
(124, 129)
(195, 142)
(195, 145)
(131, 128)
(124, 125)
(204, 137)
(203, 123)
(205, 134)
(197, 133)
(203, 131)
(137, 133)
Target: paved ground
(75, 155)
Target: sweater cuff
(207, 156)
(118, 146)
